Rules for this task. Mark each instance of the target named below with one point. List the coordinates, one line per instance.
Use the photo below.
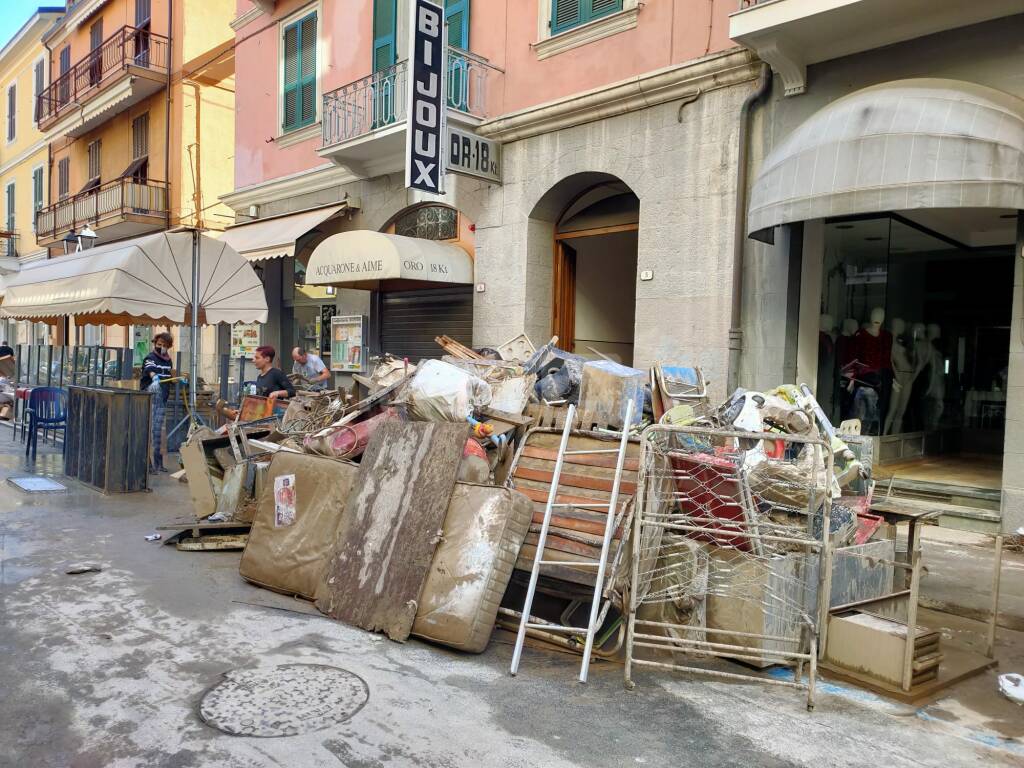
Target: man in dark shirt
(6, 350)
(271, 382)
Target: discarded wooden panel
(213, 542)
(592, 460)
(605, 392)
(393, 519)
(233, 493)
(197, 470)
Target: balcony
(792, 34)
(129, 66)
(115, 210)
(363, 123)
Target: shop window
(431, 222)
(914, 339)
(299, 86)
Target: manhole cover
(283, 701)
(37, 484)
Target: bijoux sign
(424, 148)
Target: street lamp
(86, 238)
(79, 241)
(70, 242)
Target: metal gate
(410, 320)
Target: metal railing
(114, 199)
(127, 47)
(379, 100)
(43, 365)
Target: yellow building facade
(24, 155)
(137, 123)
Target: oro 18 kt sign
(424, 150)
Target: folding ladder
(596, 614)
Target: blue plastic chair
(47, 409)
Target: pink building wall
(503, 31)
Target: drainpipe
(764, 84)
(197, 192)
(167, 116)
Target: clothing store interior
(915, 336)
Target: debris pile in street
(620, 510)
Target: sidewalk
(106, 669)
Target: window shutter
(291, 76)
(12, 105)
(63, 177)
(307, 70)
(140, 136)
(385, 14)
(10, 219)
(566, 14)
(600, 8)
(456, 14)
(37, 189)
(142, 12)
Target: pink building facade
(617, 125)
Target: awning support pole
(193, 372)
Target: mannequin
(935, 394)
(873, 344)
(904, 367)
(826, 364)
(845, 352)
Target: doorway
(595, 271)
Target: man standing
(311, 367)
(271, 382)
(7, 351)
(156, 368)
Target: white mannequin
(935, 395)
(827, 324)
(904, 369)
(850, 326)
(922, 347)
(874, 325)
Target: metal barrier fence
(42, 365)
(730, 551)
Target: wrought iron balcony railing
(128, 47)
(379, 100)
(111, 201)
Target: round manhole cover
(283, 701)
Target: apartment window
(37, 193)
(139, 167)
(143, 17)
(10, 219)
(38, 84)
(385, 15)
(299, 107)
(65, 79)
(566, 14)
(94, 166)
(12, 108)
(96, 52)
(63, 177)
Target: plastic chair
(48, 409)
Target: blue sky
(17, 12)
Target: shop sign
(245, 337)
(471, 155)
(424, 155)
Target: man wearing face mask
(156, 369)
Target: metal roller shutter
(411, 319)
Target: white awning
(275, 238)
(9, 265)
(360, 255)
(896, 146)
(145, 280)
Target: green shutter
(300, 73)
(566, 14)
(37, 189)
(385, 14)
(456, 14)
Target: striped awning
(275, 238)
(902, 145)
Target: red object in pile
(473, 448)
